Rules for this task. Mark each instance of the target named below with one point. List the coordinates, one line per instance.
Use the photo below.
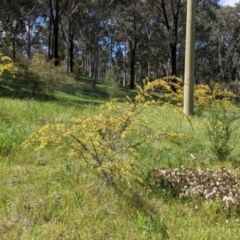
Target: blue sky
(228, 2)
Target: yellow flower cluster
(6, 65)
(171, 89)
(108, 141)
(205, 96)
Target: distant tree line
(125, 39)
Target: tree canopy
(135, 39)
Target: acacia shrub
(6, 65)
(205, 96)
(109, 142)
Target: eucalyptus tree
(227, 37)
(11, 39)
(172, 17)
(207, 68)
(151, 54)
(12, 25)
(57, 10)
(13, 11)
(131, 21)
(54, 23)
(217, 42)
(93, 33)
(34, 24)
(69, 26)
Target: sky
(228, 2)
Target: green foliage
(42, 75)
(150, 224)
(111, 79)
(113, 90)
(220, 130)
(19, 118)
(109, 141)
(47, 195)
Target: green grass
(47, 196)
(79, 90)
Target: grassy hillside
(45, 195)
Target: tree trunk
(68, 38)
(95, 68)
(71, 48)
(50, 38)
(125, 63)
(13, 50)
(55, 21)
(173, 59)
(56, 27)
(132, 70)
(133, 62)
(29, 40)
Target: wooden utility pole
(188, 105)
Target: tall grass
(47, 196)
(19, 118)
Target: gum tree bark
(54, 14)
